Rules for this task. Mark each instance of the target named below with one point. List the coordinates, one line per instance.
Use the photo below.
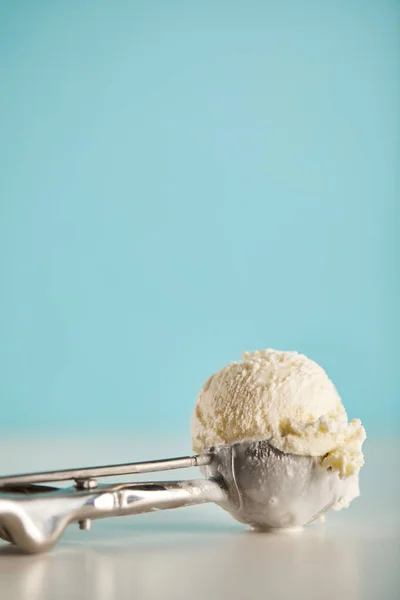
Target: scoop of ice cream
(282, 397)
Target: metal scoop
(257, 484)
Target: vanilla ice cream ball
(285, 398)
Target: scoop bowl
(269, 489)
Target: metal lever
(151, 466)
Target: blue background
(182, 181)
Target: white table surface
(200, 552)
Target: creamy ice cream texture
(285, 398)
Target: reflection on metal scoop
(257, 484)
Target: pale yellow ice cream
(283, 397)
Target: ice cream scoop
(256, 483)
(275, 447)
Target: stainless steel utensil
(257, 484)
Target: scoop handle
(34, 522)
